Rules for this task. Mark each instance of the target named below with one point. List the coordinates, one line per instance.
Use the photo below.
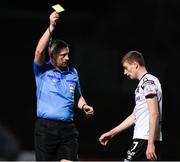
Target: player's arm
(44, 40)
(128, 122)
(88, 110)
(153, 122)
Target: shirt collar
(65, 71)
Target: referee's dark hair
(56, 45)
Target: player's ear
(136, 64)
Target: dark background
(99, 34)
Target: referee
(57, 86)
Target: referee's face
(62, 57)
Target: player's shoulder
(149, 79)
(149, 76)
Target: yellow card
(58, 8)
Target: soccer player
(147, 114)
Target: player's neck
(142, 72)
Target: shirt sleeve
(149, 88)
(39, 68)
(78, 86)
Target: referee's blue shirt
(55, 91)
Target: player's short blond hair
(133, 56)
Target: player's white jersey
(148, 85)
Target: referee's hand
(88, 110)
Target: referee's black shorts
(55, 140)
(137, 150)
